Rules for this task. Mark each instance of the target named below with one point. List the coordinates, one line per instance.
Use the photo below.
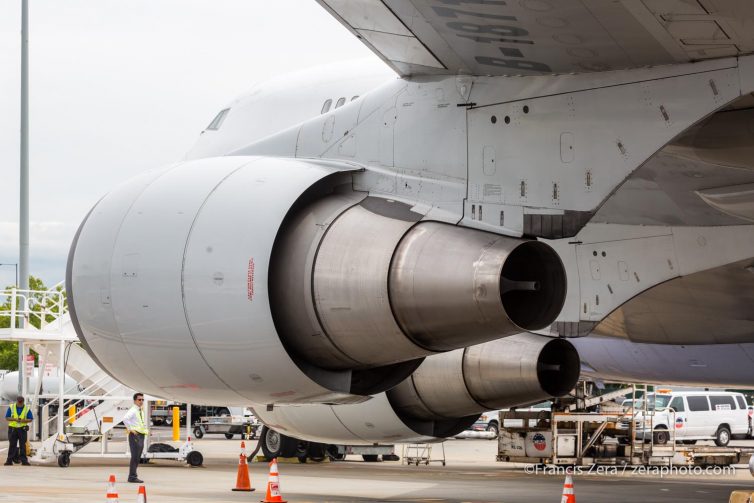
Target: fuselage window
(218, 120)
(326, 106)
(354, 97)
(340, 102)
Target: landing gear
(316, 451)
(276, 445)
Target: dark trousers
(17, 444)
(136, 444)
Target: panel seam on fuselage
(183, 266)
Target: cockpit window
(218, 120)
(326, 106)
(354, 97)
(340, 102)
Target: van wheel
(494, 428)
(722, 437)
(661, 436)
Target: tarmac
(470, 474)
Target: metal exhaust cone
(273, 485)
(243, 483)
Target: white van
(488, 421)
(694, 415)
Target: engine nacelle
(249, 279)
(444, 396)
(358, 283)
(518, 370)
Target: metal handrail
(647, 425)
(23, 302)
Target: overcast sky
(119, 86)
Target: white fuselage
(169, 276)
(283, 102)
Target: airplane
(545, 189)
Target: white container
(511, 444)
(538, 444)
(567, 446)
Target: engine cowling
(268, 280)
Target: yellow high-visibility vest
(140, 426)
(14, 414)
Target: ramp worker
(137, 431)
(18, 416)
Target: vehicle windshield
(655, 402)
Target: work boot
(135, 481)
(25, 463)
(8, 463)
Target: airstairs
(68, 419)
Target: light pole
(23, 216)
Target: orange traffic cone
(142, 496)
(568, 496)
(242, 477)
(112, 493)
(273, 485)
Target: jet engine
(238, 279)
(518, 370)
(444, 396)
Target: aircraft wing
(510, 37)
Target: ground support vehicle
(576, 436)
(416, 454)
(229, 426)
(162, 412)
(163, 415)
(76, 438)
(489, 422)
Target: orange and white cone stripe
(142, 496)
(112, 493)
(568, 495)
(273, 485)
